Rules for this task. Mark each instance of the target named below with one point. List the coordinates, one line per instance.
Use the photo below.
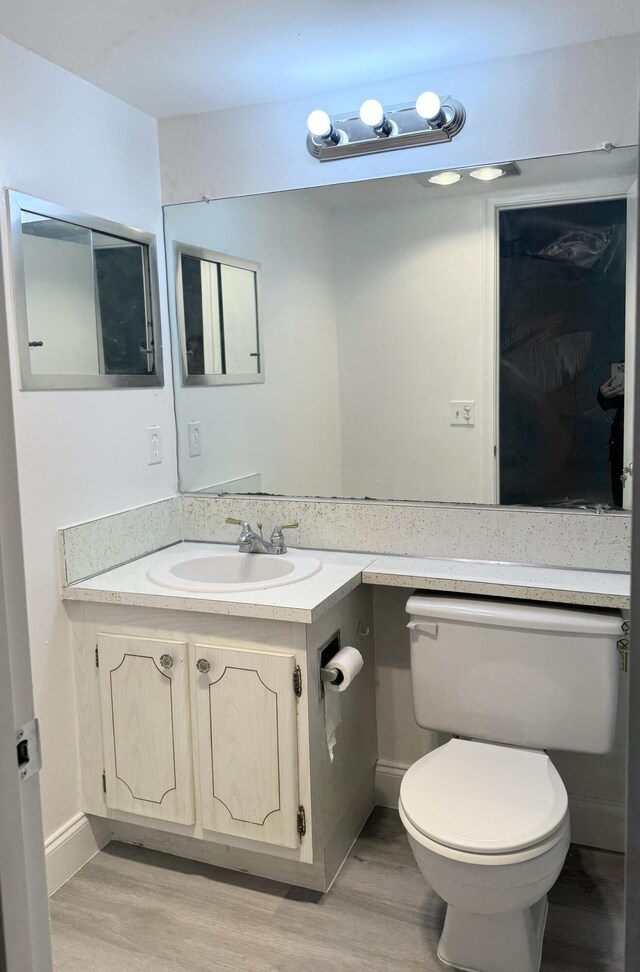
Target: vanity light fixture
(430, 119)
(429, 107)
(372, 114)
(319, 125)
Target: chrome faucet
(251, 542)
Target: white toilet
(487, 816)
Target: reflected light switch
(462, 413)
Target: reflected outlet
(195, 439)
(154, 442)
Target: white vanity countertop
(559, 584)
(304, 601)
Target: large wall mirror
(462, 338)
(86, 299)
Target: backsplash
(577, 539)
(97, 545)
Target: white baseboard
(388, 779)
(71, 847)
(597, 823)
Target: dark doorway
(562, 316)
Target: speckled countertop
(306, 600)
(558, 584)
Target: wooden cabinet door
(247, 738)
(146, 725)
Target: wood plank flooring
(135, 910)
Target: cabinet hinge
(97, 658)
(104, 781)
(302, 821)
(297, 681)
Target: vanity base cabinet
(239, 704)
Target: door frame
(493, 206)
(25, 944)
(632, 870)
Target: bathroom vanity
(210, 735)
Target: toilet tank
(515, 672)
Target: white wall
(414, 336)
(565, 100)
(81, 454)
(287, 429)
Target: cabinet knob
(203, 665)
(166, 661)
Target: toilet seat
(556, 839)
(485, 800)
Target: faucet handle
(277, 536)
(245, 529)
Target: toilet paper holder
(330, 675)
(326, 652)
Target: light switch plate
(463, 413)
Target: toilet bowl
(489, 827)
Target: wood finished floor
(135, 910)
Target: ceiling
(172, 57)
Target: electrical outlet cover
(154, 442)
(195, 439)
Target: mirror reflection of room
(562, 348)
(86, 297)
(87, 300)
(219, 317)
(484, 318)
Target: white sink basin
(231, 571)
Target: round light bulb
(372, 113)
(319, 123)
(445, 178)
(487, 173)
(428, 105)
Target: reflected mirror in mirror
(218, 317)
(452, 341)
(85, 300)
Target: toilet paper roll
(347, 662)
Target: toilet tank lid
(529, 615)
(484, 798)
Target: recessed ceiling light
(445, 178)
(487, 173)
